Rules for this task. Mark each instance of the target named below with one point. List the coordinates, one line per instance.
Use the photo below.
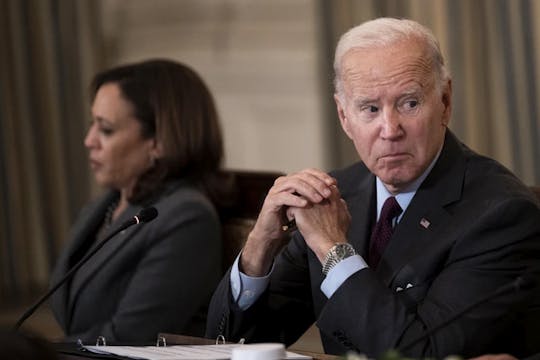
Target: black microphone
(524, 282)
(144, 216)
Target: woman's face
(118, 153)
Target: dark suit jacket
(483, 232)
(158, 276)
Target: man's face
(393, 110)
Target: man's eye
(412, 104)
(370, 108)
(409, 106)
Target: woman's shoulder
(181, 195)
(181, 204)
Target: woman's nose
(90, 140)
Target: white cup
(263, 351)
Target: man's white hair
(382, 32)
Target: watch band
(337, 253)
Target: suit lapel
(90, 270)
(82, 232)
(419, 229)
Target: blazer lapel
(82, 232)
(419, 229)
(90, 269)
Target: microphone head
(147, 214)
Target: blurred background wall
(268, 64)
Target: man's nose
(391, 125)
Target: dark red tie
(383, 230)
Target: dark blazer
(471, 227)
(150, 278)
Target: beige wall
(259, 58)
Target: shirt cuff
(247, 289)
(341, 272)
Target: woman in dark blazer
(154, 140)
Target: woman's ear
(156, 151)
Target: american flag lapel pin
(425, 223)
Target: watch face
(341, 251)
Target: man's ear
(447, 102)
(345, 125)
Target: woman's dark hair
(175, 107)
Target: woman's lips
(94, 164)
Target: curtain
(493, 51)
(47, 47)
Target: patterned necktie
(383, 230)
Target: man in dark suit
(396, 244)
